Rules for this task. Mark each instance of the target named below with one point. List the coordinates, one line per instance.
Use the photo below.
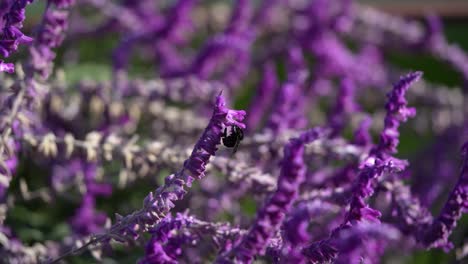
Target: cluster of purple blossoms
(13, 15)
(144, 167)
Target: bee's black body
(233, 139)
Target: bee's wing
(235, 147)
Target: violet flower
(163, 35)
(362, 136)
(436, 235)
(50, 35)
(158, 203)
(270, 217)
(365, 242)
(155, 250)
(154, 253)
(397, 112)
(295, 229)
(379, 162)
(87, 220)
(344, 107)
(289, 110)
(11, 36)
(7, 67)
(380, 159)
(233, 44)
(173, 233)
(263, 97)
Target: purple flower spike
(55, 23)
(344, 106)
(87, 220)
(288, 112)
(11, 36)
(263, 97)
(295, 229)
(50, 35)
(228, 48)
(362, 136)
(272, 214)
(380, 160)
(439, 231)
(155, 251)
(365, 242)
(397, 112)
(7, 67)
(155, 254)
(372, 169)
(158, 203)
(240, 18)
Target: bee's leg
(225, 132)
(235, 147)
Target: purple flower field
(269, 131)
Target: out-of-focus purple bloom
(90, 174)
(288, 111)
(63, 174)
(51, 34)
(53, 27)
(361, 243)
(240, 18)
(264, 13)
(365, 242)
(379, 162)
(263, 97)
(429, 179)
(296, 65)
(434, 42)
(434, 32)
(229, 47)
(437, 234)
(359, 210)
(7, 67)
(87, 220)
(164, 34)
(362, 136)
(161, 235)
(269, 218)
(295, 229)
(178, 22)
(289, 108)
(155, 254)
(344, 106)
